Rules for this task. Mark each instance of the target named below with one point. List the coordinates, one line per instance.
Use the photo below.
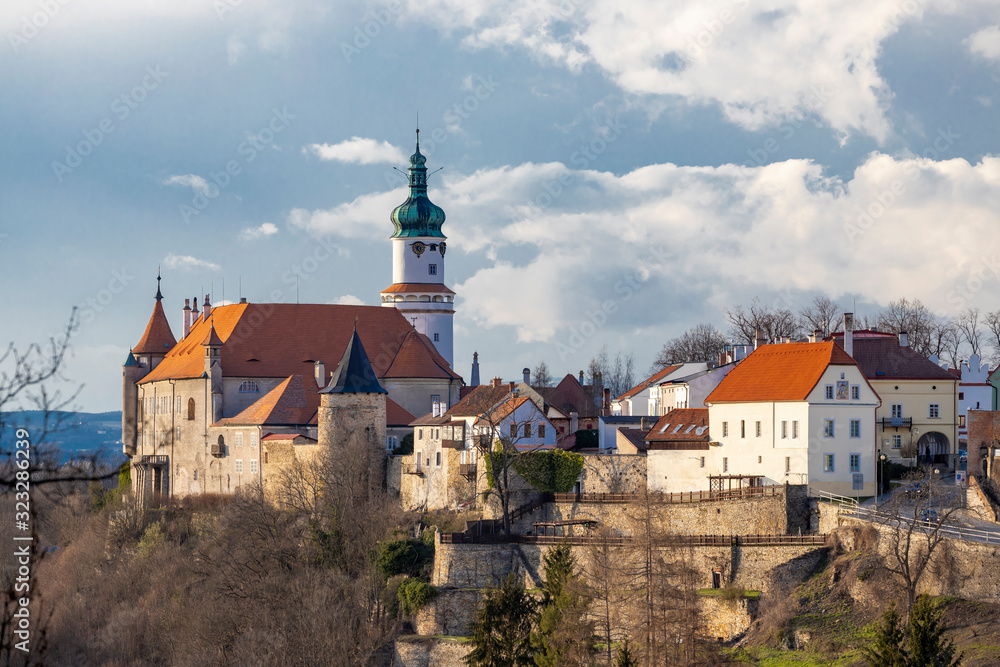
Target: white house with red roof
(801, 413)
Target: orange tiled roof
(396, 414)
(158, 338)
(281, 339)
(568, 396)
(505, 409)
(680, 424)
(782, 372)
(479, 400)
(655, 377)
(416, 287)
(285, 436)
(287, 404)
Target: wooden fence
(666, 541)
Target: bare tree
(771, 322)
(969, 325)
(927, 333)
(618, 375)
(703, 342)
(992, 323)
(541, 377)
(821, 315)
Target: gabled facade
(636, 401)
(974, 393)
(684, 389)
(801, 413)
(678, 452)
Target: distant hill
(81, 434)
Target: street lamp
(878, 479)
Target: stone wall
(976, 502)
(958, 568)
(451, 612)
(726, 619)
(613, 473)
(426, 652)
(825, 517)
(765, 515)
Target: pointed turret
(132, 372)
(474, 380)
(158, 339)
(354, 374)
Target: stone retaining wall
(427, 652)
(977, 503)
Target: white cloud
(898, 227)
(235, 47)
(189, 263)
(985, 43)
(193, 181)
(348, 300)
(788, 60)
(253, 233)
(359, 150)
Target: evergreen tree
(886, 648)
(625, 657)
(502, 628)
(928, 644)
(564, 636)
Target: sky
(613, 173)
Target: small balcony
(155, 459)
(453, 444)
(467, 469)
(218, 450)
(896, 422)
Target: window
(855, 428)
(417, 459)
(897, 410)
(795, 429)
(437, 434)
(179, 405)
(190, 409)
(828, 463)
(253, 438)
(961, 421)
(196, 475)
(758, 429)
(788, 464)
(725, 429)
(437, 459)
(961, 395)
(239, 465)
(855, 462)
(420, 434)
(829, 392)
(253, 466)
(760, 459)
(855, 392)
(541, 430)
(725, 464)
(784, 429)
(934, 411)
(897, 441)
(703, 462)
(435, 398)
(437, 338)
(390, 442)
(249, 387)
(265, 457)
(513, 430)
(238, 437)
(177, 434)
(743, 428)
(527, 430)
(432, 269)
(828, 428)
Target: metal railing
(952, 531)
(842, 501)
(673, 497)
(471, 537)
(897, 422)
(453, 444)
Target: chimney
(526, 373)
(904, 339)
(758, 338)
(814, 336)
(206, 309)
(319, 370)
(243, 299)
(194, 310)
(436, 409)
(496, 382)
(574, 422)
(187, 317)
(849, 334)
(474, 380)
(510, 385)
(606, 407)
(581, 378)
(644, 424)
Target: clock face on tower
(418, 248)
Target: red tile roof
(655, 377)
(416, 287)
(568, 396)
(504, 410)
(290, 403)
(158, 338)
(396, 414)
(782, 372)
(280, 339)
(881, 357)
(285, 436)
(682, 424)
(479, 400)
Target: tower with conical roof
(353, 404)
(418, 249)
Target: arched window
(249, 387)
(190, 409)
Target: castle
(247, 383)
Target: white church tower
(418, 248)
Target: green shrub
(410, 557)
(588, 439)
(552, 471)
(405, 445)
(413, 594)
(152, 539)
